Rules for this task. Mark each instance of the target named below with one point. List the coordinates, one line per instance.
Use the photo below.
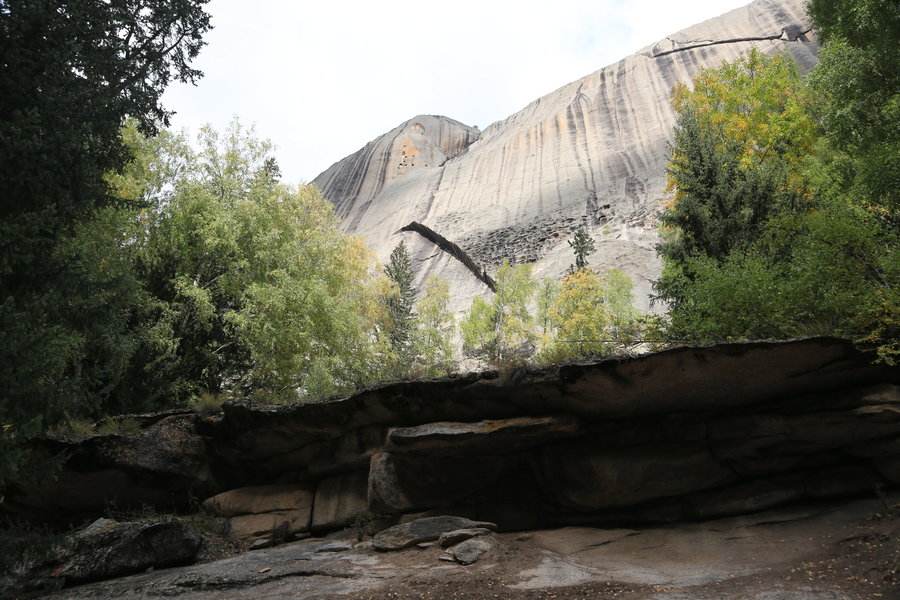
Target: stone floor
(826, 552)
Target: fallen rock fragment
(451, 538)
(105, 549)
(427, 529)
(108, 548)
(469, 551)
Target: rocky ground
(824, 552)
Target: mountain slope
(594, 151)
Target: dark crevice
(788, 34)
(453, 250)
(238, 583)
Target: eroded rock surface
(592, 152)
(845, 551)
(690, 433)
(271, 511)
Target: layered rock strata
(689, 433)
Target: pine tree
(400, 305)
(582, 245)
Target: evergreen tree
(582, 245)
(70, 74)
(784, 221)
(401, 303)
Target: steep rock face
(404, 162)
(593, 152)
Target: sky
(321, 78)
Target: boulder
(769, 443)
(340, 500)
(427, 529)
(451, 538)
(680, 380)
(469, 551)
(889, 468)
(165, 465)
(109, 548)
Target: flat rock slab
(422, 530)
(821, 552)
(295, 570)
(496, 435)
(451, 538)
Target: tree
(434, 334)
(546, 296)
(582, 245)
(71, 308)
(591, 316)
(72, 73)
(501, 331)
(741, 135)
(401, 302)
(857, 92)
(857, 87)
(260, 293)
(779, 226)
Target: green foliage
(591, 316)
(784, 217)
(823, 273)
(582, 245)
(435, 331)
(72, 73)
(259, 291)
(857, 88)
(501, 331)
(71, 309)
(401, 302)
(739, 132)
(548, 289)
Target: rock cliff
(689, 433)
(594, 152)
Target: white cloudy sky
(321, 78)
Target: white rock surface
(593, 151)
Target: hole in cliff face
(418, 128)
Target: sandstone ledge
(683, 434)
